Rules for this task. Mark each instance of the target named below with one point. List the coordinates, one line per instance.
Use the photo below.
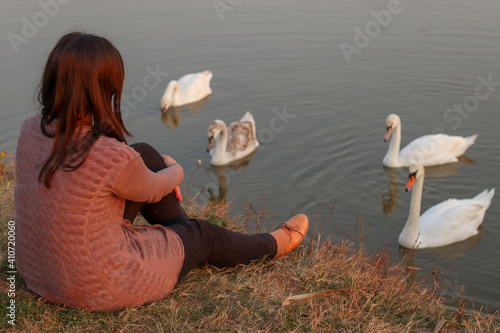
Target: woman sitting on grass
(79, 187)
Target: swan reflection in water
(223, 174)
(172, 117)
(390, 197)
(450, 284)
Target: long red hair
(83, 79)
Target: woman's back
(72, 241)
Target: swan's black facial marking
(211, 140)
(388, 131)
(411, 181)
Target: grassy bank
(345, 288)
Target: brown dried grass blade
(439, 325)
(309, 296)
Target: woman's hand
(168, 160)
(177, 190)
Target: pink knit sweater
(73, 246)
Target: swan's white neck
(219, 155)
(391, 158)
(172, 95)
(410, 231)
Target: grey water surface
(320, 77)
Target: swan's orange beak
(387, 133)
(210, 143)
(411, 180)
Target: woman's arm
(137, 183)
(168, 162)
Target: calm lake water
(320, 111)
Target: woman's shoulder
(31, 122)
(30, 129)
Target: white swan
(448, 222)
(188, 89)
(227, 144)
(427, 150)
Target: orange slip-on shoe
(290, 234)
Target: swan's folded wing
(240, 135)
(432, 149)
(437, 211)
(454, 219)
(193, 87)
(187, 79)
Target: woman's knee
(151, 157)
(143, 148)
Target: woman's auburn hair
(84, 75)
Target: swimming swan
(227, 144)
(188, 89)
(427, 150)
(448, 222)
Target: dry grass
(368, 292)
(7, 209)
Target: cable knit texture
(73, 246)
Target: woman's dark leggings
(204, 243)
